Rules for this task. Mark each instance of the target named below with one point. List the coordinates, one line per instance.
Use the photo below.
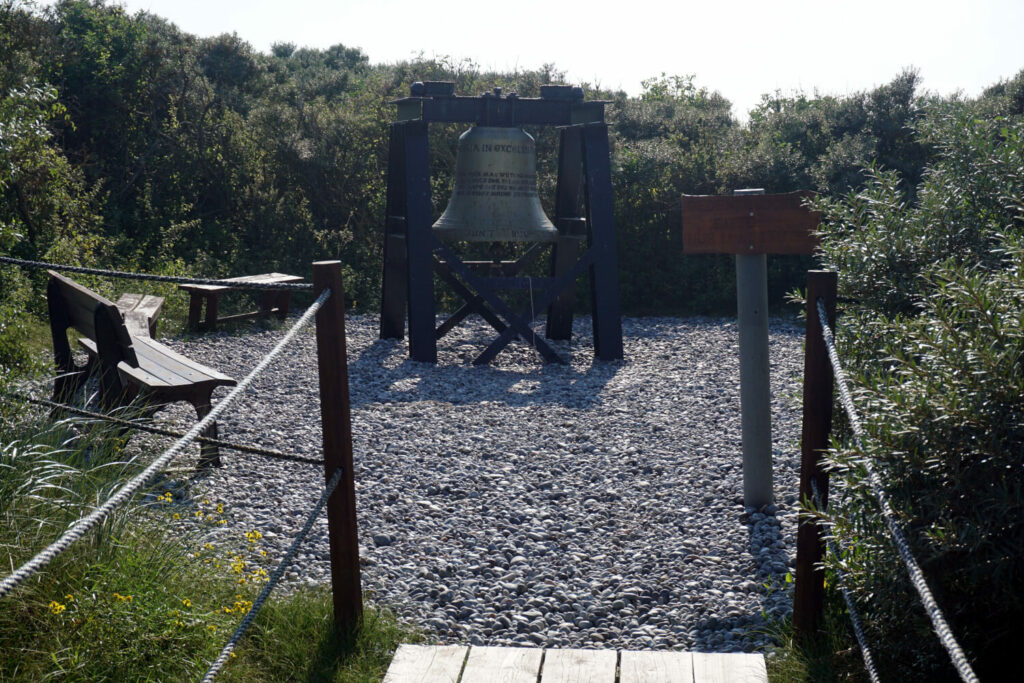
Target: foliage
(190, 152)
(935, 338)
(146, 595)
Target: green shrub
(934, 337)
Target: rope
(134, 424)
(942, 630)
(858, 629)
(83, 525)
(234, 284)
(275, 577)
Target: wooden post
(605, 313)
(337, 430)
(395, 275)
(569, 212)
(809, 591)
(419, 255)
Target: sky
(740, 48)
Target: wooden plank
(656, 667)
(128, 301)
(137, 324)
(153, 353)
(159, 366)
(749, 224)
(502, 665)
(734, 667)
(265, 278)
(426, 664)
(579, 666)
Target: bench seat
(160, 367)
(140, 312)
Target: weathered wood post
(751, 225)
(336, 419)
(809, 591)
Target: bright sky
(742, 48)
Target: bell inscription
(495, 194)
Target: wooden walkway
(454, 663)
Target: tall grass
(149, 594)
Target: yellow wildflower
(220, 508)
(123, 598)
(208, 546)
(176, 516)
(69, 597)
(186, 602)
(211, 628)
(56, 607)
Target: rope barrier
(858, 629)
(938, 620)
(83, 525)
(235, 284)
(135, 424)
(272, 582)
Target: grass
(828, 656)
(150, 595)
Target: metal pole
(755, 389)
(809, 591)
(335, 414)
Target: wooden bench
(129, 365)
(271, 301)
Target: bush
(935, 340)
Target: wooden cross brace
(494, 310)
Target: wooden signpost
(751, 225)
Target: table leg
(283, 301)
(195, 308)
(212, 301)
(266, 303)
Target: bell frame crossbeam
(583, 217)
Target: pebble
(590, 504)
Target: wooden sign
(749, 224)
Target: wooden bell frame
(583, 217)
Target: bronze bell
(495, 194)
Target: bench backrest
(72, 305)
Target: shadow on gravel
(409, 381)
(742, 630)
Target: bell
(495, 195)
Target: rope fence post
(335, 412)
(809, 591)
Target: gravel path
(596, 504)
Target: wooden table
(271, 301)
(464, 664)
